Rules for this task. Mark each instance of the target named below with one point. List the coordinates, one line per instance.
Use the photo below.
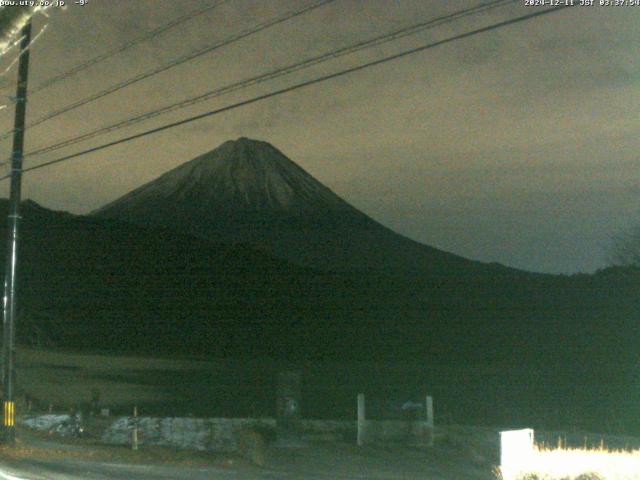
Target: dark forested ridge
(100, 284)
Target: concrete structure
(219, 434)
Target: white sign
(516, 451)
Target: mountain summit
(240, 176)
(247, 191)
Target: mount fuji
(247, 191)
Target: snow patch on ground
(59, 424)
(45, 422)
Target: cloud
(482, 146)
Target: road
(66, 469)
(88, 470)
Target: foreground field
(64, 381)
(459, 453)
(514, 395)
(179, 387)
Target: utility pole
(8, 333)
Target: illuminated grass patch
(544, 463)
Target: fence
(415, 429)
(405, 422)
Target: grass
(41, 446)
(563, 463)
(68, 380)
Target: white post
(429, 406)
(361, 419)
(516, 452)
(134, 440)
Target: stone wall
(219, 434)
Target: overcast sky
(518, 146)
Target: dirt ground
(455, 455)
(458, 453)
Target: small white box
(516, 450)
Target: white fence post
(429, 407)
(361, 419)
(134, 439)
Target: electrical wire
(376, 41)
(191, 56)
(125, 46)
(298, 86)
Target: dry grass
(66, 380)
(39, 446)
(577, 464)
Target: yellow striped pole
(9, 414)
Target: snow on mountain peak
(242, 174)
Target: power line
(298, 86)
(198, 53)
(376, 41)
(126, 46)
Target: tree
(626, 249)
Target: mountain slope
(249, 192)
(88, 283)
(103, 285)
